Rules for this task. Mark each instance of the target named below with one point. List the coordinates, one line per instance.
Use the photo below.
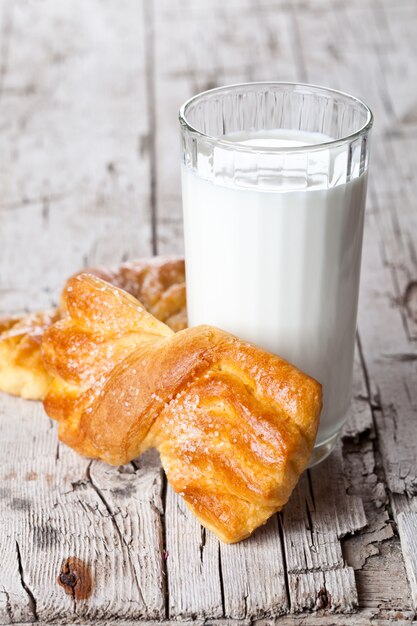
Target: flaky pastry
(22, 372)
(234, 425)
(159, 283)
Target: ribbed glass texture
(208, 117)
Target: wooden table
(89, 93)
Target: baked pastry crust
(234, 425)
(158, 282)
(22, 372)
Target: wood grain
(407, 525)
(365, 618)
(58, 506)
(318, 515)
(89, 95)
(192, 563)
(360, 420)
(254, 575)
(73, 120)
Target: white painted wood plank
(363, 618)
(15, 603)
(27, 473)
(133, 501)
(66, 508)
(394, 373)
(192, 557)
(25, 431)
(339, 49)
(333, 591)
(375, 553)
(335, 508)
(407, 526)
(359, 421)
(74, 190)
(254, 575)
(397, 49)
(394, 188)
(318, 515)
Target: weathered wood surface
(407, 525)
(89, 93)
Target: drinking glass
(274, 179)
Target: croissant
(234, 425)
(159, 283)
(21, 367)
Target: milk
(281, 268)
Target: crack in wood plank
(284, 557)
(117, 528)
(222, 584)
(8, 606)
(31, 597)
(104, 502)
(202, 542)
(151, 106)
(165, 553)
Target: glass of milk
(274, 180)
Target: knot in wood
(75, 578)
(324, 599)
(68, 579)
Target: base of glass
(322, 450)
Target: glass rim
(241, 147)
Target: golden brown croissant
(234, 425)
(159, 283)
(22, 372)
